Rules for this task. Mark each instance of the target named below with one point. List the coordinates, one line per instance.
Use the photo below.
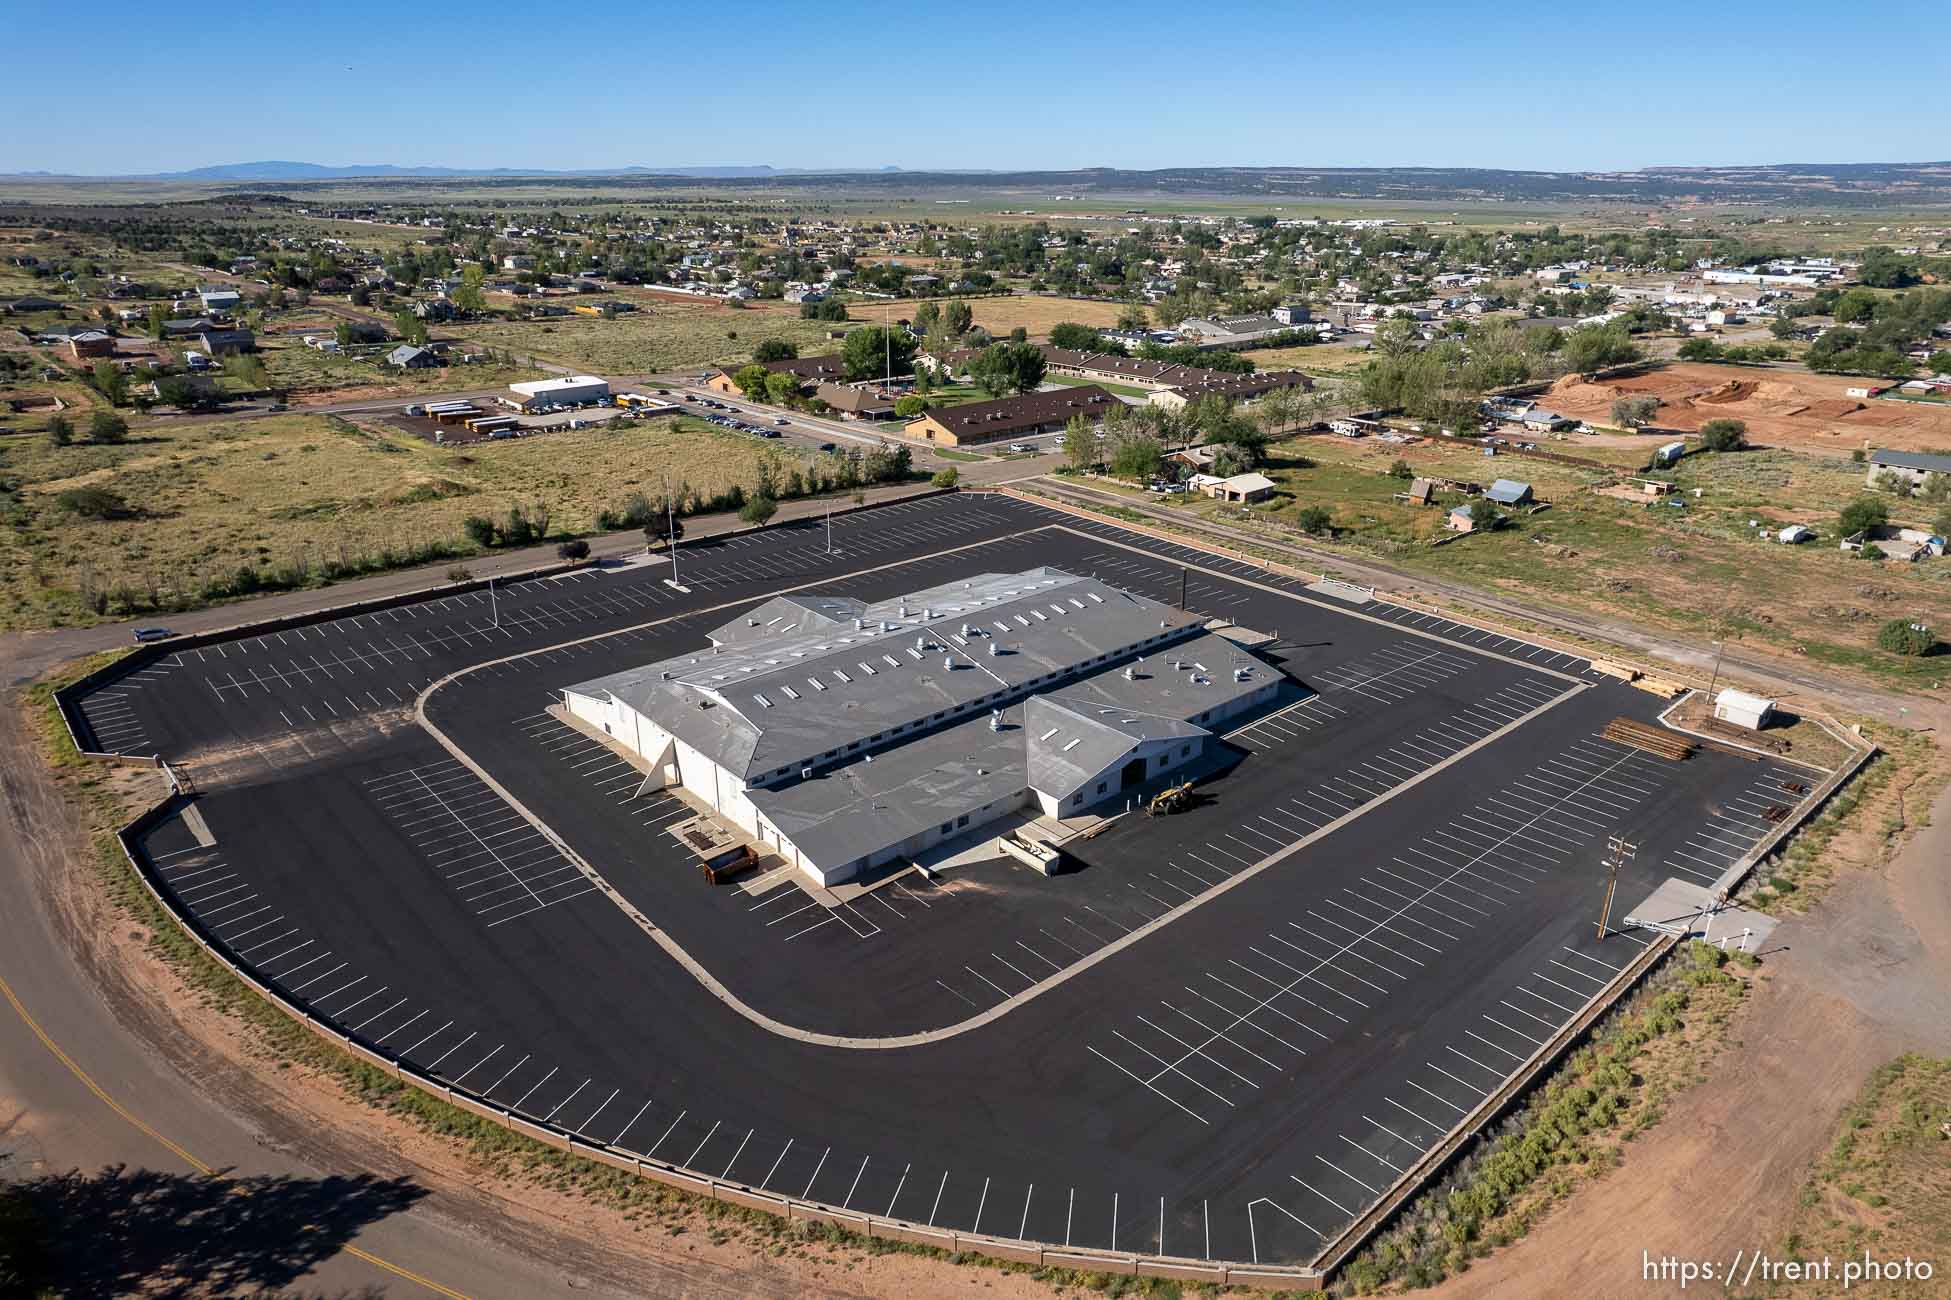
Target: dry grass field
(1881, 1187)
(201, 498)
(1001, 315)
(1698, 567)
(664, 334)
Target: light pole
(1720, 648)
(493, 604)
(670, 527)
(829, 526)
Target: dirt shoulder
(1864, 977)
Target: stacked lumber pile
(1662, 744)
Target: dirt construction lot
(1782, 408)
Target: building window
(947, 827)
(963, 820)
(1185, 750)
(1100, 787)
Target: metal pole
(1720, 648)
(829, 526)
(1182, 587)
(670, 524)
(493, 603)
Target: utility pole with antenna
(1618, 854)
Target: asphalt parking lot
(1223, 1032)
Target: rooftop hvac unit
(806, 774)
(995, 720)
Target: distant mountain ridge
(1852, 185)
(284, 170)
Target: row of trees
(1445, 382)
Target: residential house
(409, 357)
(91, 343)
(217, 342)
(218, 297)
(1509, 492)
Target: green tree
(1134, 317)
(876, 351)
(107, 427)
(412, 329)
(827, 309)
(1939, 362)
(1724, 435)
(1397, 338)
(1595, 347)
(480, 530)
(174, 390)
(751, 380)
(1635, 412)
(946, 478)
(1080, 445)
(1905, 636)
(60, 431)
(1078, 338)
(758, 510)
(1699, 348)
(1401, 469)
(469, 297)
(1314, 519)
(575, 549)
(775, 350)
(781, 386)
(110, 382)
(909, 407)
(957, 319)
(1004, 368)
(156, 318)
(1861, 515)
(1134, 454)
(1855, 306)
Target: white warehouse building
(843, 734)
(573, 390)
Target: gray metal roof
(1923, 460)
(1508, 491)
(792, 685)
(1053, 743)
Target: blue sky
(1523, 83)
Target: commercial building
(1014, 417)
(844, 735)
(575, 390)
(811, 372)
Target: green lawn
(1074, 381)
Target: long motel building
(844, 734)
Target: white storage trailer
(1740, 709)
